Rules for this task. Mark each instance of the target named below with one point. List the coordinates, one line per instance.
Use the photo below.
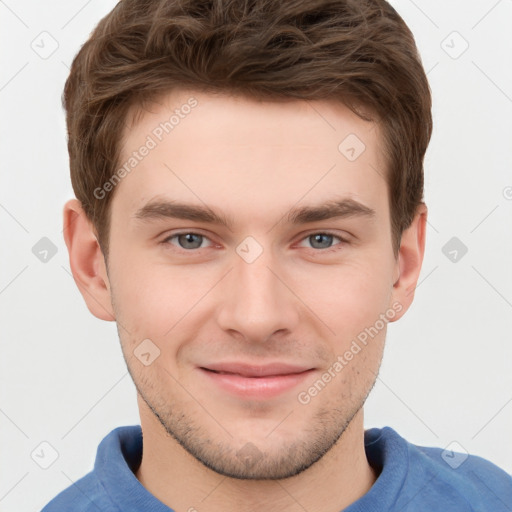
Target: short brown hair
(358, 52)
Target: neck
(182, 483)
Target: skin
(297, 302)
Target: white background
(446, 374)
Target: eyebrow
(344, 208)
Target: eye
(187, 240)
(190, 241)
(323, 240)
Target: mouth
(256, 381)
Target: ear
(409, 261)
(87, 261)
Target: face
(251, 274)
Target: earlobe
(410, 259)
(87, 261)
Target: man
(249, 182)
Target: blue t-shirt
(411, 478)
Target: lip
(256, 381)
(252, 370)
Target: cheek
(152, 298)
(348, 297)
(161, 303)
(143, 298)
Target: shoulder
(420, 478)
(85, 495)
(458, 477)
(111, 477)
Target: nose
(257, 301)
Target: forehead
(246, 120)
(241, 153)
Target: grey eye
(190, 240)
(319, 240)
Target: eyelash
(343, 241)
